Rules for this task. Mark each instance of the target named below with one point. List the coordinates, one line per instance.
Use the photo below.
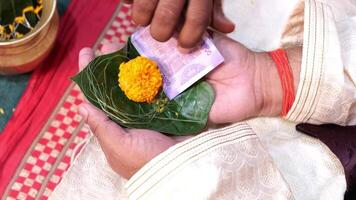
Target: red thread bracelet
(279, 56)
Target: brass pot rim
(39, 27)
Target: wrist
(268, 83)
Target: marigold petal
(140, 79)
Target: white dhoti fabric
(263, 158)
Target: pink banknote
(179, 71)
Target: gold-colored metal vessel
(25, 54)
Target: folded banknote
(179, 70)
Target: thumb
(220, 22)
(86, 55)
(226, 46)
(230, 49)
(109, 134)
(111, 47)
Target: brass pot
(25, 54)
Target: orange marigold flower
(140, 79)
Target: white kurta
(262, 158)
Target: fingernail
(86, 51)
(85, 56)
(83, 111)
(184, 50)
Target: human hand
(247, 84)
(126, 150)
(165, 16)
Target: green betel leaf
(185, 115)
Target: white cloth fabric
(262, 158)
(259, 23)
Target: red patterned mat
(50, 153)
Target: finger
(143, 10)
(220, 22)
(226, 46)
(231, 50)
(111, 47)
(108, 133)
(196, 22)
(86, 55)
(185, 50)
(223, 44)
(166, 18)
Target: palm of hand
(234, 83)
(128, 150)
(138, 148)
(235, 100)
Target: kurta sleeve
(327, 88)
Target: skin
(247, 81)
(191, 18)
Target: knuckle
(197, 20)
(143, 11)
(94, 127)
(98, 125)
(146, 6)
(166, 16)
(164, 22)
